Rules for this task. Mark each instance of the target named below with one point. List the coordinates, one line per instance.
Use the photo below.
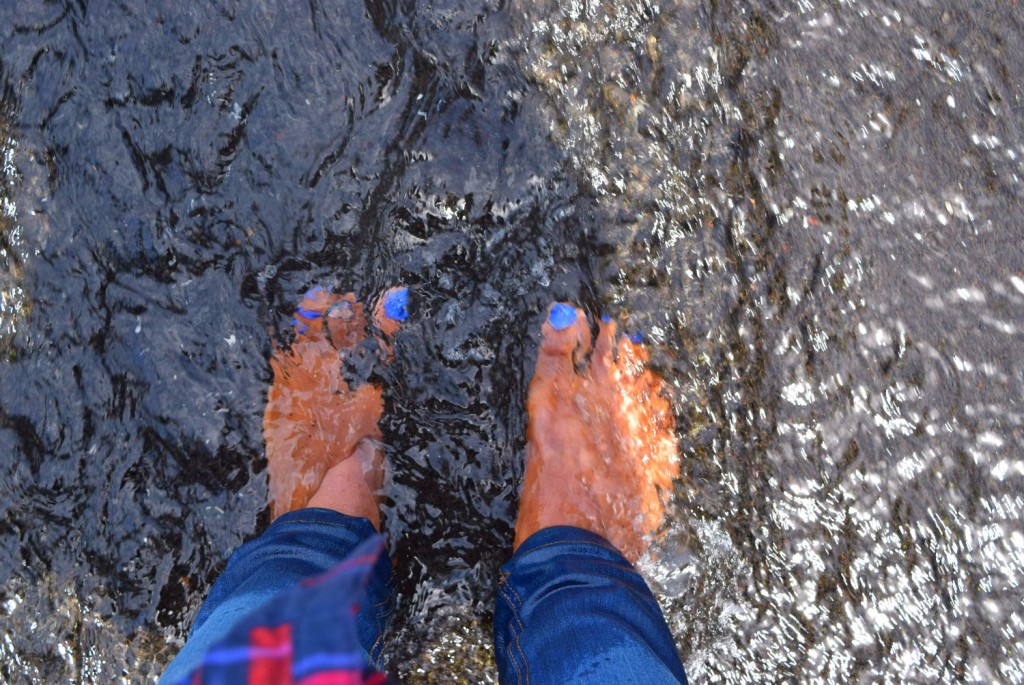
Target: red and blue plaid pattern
(307, 636)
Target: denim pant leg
(572, 609)
(297, 546)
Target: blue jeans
(570, 608)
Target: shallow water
(813, 212)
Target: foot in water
(323, 442)
(601, 446)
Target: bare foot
(323, 442)
(602, 451)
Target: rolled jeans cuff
(297, 546)
(571, 609)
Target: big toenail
(314, 292)
(636, 338)
(343, 310)
(308, 313)
(396, 306)
(562, 316)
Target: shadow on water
(811, 210)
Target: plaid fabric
(307, 636)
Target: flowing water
(812, 210)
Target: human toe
(345, 320)
(308, 318)
(392, 310)
(565, 339)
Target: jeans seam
(380, 629)
(607, 548)
(504, 588)
(515, 609)
(512, 658)
(511, 589)
(380, 655)
(518, 646)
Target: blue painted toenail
(313, 292)
(636, 338)
(606, 319)
(397, 305)
(307, 313)
(562, 316)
